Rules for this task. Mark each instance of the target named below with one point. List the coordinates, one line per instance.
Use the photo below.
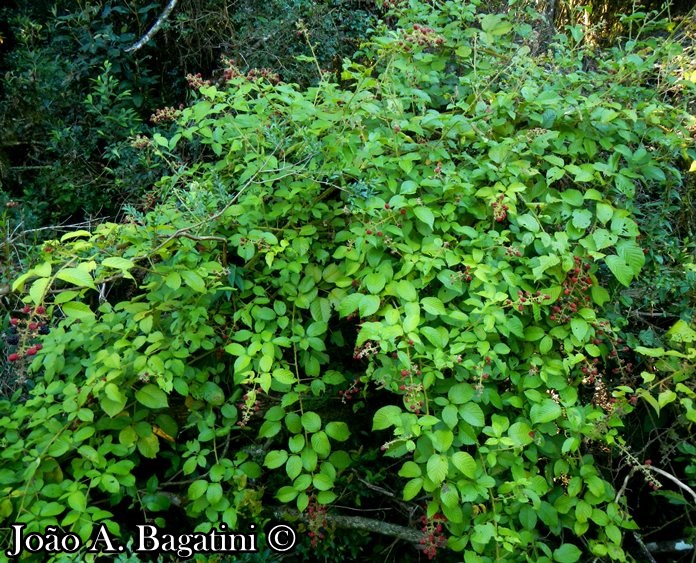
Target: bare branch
(154, 29)
(358, 523)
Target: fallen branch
(358, 523)
(655, 470)
(154, 29)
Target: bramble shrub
(409, 269)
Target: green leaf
(405, 290)
(547, 411)
(604, 212)
(293, 466)
(311, 421)
(320, 444)
(286, 494)
(622, 271)
(460, 393)
(472, 414)
(632, 255)
(368, 305)
(599, 295)
(173, 280)
(118, 263)
(582, 218)
(148, 446)
(339, 431)
(349, 304)
(76, 276)
(385, 417)
(521, 434)
(322, 482)
(437, 468)
(152, 397)
(77, 501)
(77, 310)
(374, 282)
(410, 469)
(567, 553)
(433, 306)
(193, 280)
(113, 403)
(412, 488)
(38, 289)
(425, 215)
(197, 489)
(573, 197)
(211, 393)
(580, 328)
(465, 463)
(275, 459)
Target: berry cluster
(422, 35)
(23, 333)
(500, 209)
(12, 203)
(367, 350)
(316, 521)
(525, 299)
(141, 141)
(350, 393)
(464, 274)
(249, 407)
(574, 294)
(512, 251)
(263, 73)
(433, 538)
(196, 82)
(412, 389)
(165, 114)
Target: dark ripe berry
(44, 330)
(13, 357)
(13, 339)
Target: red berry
(379, 233)
(648, 462)
(404, 372)
(40, 310)
(26, 309)
(38, 346)
(31, 351)
(14, 322)
(13, 357)
(368, 232)
(387, 206)
(33, 326)
(403, 211)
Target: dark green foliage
(406, 289)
